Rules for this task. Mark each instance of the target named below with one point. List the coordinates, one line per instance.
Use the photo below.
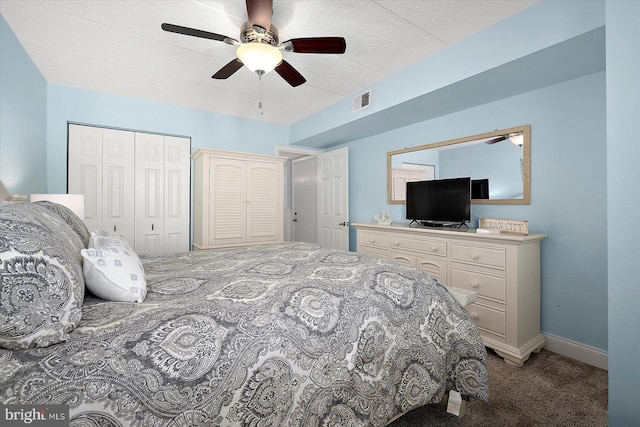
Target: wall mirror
(498, 162)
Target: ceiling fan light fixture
(260, 58)
(517, 139)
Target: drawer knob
(434, 248)
(396, 243)
(372, 240)
(473, 283)
(473, 256)
(474, 315)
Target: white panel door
(85, 171)
(149, 202)
(333, 199)
(118, 183)
(177, 193)
(228, 201)
(263, 201)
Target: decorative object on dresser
(238, 198)
(383, 218)
(503, 270)
(504, 225)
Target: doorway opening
(300, 194)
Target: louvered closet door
(263, 202)
(227, 201)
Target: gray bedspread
(272, 335)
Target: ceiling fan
(259, 49)
(515, 138)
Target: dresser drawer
(434, 267)
(373, 252)
(488, 318)
(402, 258)
(374, 240)
(483, 284)
(425, 246)
(480, 255)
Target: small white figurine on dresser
(383, 218)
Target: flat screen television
(439, 202)
(480, 188)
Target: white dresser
(503, 270)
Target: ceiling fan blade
(494, 140)
(195, 33)
(226, 71)
(260, 12)
(290, 74)
(318, 45)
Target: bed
(289, 334)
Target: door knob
(344, 223)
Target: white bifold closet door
(101, 166)
(135, 184)
(162, 177)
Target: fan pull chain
(261, 96)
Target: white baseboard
(578, 351)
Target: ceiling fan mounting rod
(257, 34)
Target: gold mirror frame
(526, 163)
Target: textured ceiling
(117, 46)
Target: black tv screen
(439, 201)
(480, 188)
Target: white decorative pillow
(112, 270)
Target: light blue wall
(623, 206)
(23, 95)
(67, 104)
(568, 183)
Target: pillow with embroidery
(112, 270)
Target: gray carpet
(549, 390)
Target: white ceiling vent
(362, 101)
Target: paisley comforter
(271, 335)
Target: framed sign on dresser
(503, 269)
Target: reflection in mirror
(498, 163)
